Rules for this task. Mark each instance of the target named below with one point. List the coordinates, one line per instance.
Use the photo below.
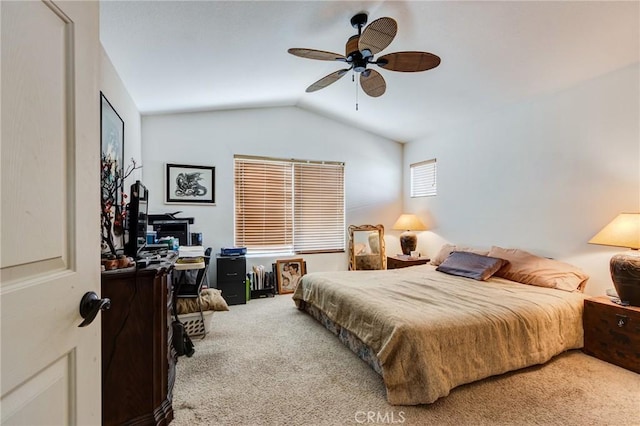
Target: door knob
(90, 305)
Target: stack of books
(190, 257)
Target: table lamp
(408, 239)
(624, 231)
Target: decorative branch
(113, 211)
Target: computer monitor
(177, 228)
(137, 219)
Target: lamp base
(408, 242)
(625, 273)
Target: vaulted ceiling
(177, 56)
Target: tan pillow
(447, 249)
(527, 268)
(210, 300)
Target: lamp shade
(623, 231)
(409, 222)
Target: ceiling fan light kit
(359, 53)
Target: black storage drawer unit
(232, 273)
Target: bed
(427, 332)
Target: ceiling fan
(359, 54)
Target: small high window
(423, 179)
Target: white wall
(373, 178)
(544, 175)
(117, 94)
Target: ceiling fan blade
(408, 61)
(327, 80)
(378, 35)
(317, 54)
(372, 83)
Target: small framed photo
(186, 184)
(289, 272)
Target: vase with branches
(113, 200)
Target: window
(423, 179)
(289, 206)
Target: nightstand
(612, 332)
(396, 262)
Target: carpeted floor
(266, 363)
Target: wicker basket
(193, 323)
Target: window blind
(287, 206)
(319, 208)
(423, 179)
(263, 205)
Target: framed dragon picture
(187, 184)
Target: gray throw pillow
(470, 265)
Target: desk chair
(186, 290)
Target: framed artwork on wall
(111, 132)
(187, 184)
(289, 272)
(111, 175)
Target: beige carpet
(266, 363)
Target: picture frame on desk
(190, 184)
(288, 273)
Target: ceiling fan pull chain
(356, 81)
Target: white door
(49, 255)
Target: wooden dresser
(612, 332)
(138, 360)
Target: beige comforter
(432, 331)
